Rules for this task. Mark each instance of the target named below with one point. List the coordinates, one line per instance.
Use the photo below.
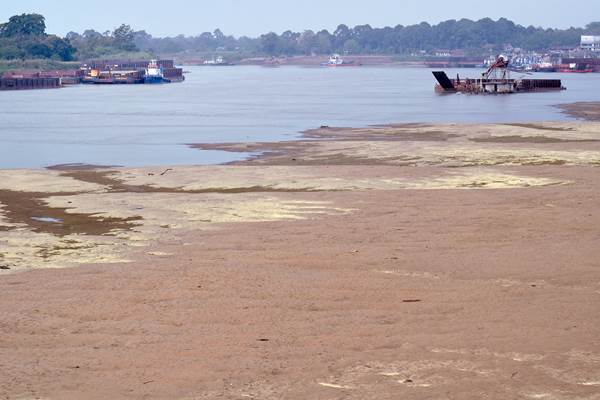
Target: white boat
(337, 61)
(216, 62)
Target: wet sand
(407, 261)
(585, 110)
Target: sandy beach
(410, 261)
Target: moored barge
(496, 80)
(131, 72)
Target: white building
(591, 43)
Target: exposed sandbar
(403, 261)
(585, 110)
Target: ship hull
(576, 71)
(154, 80)
(345, 64)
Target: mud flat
(404, 261)
(584, 110)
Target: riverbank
(411, 260)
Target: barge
(496, 80)
(131, 72)
(21, 83)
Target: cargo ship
(496, 80)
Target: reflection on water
(150, 124)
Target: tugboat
(154, 73)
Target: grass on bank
(36, 65)
(53, 65)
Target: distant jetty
(96, 72)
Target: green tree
(124, 38)
(60, 49)
(24, 25)
(270, 44)
(593, 28)
(307, 42)
(324, 42)
(341, 35)
(351, 46)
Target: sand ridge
(451, 145)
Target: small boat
(337, 61)
(216, 62)
(154, 73)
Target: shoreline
(430, 156)
(589, 111)
(409, 260)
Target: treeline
(24, 37)
(92, 45)
(485, 35)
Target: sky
(254, 17)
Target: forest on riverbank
(24, 37)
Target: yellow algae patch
(467, 154)
(161, 215)
(23, 249)
(481, 180)
(456, 132)
(478, 156)
(188, 211)
(283, 178)
(44, 181)
(249, 179)
(565, 131)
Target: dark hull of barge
(29, 83)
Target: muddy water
(135, 125)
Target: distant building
(591, 43)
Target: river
(134, 125)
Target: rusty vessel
(496, 80)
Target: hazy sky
(253, 17)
